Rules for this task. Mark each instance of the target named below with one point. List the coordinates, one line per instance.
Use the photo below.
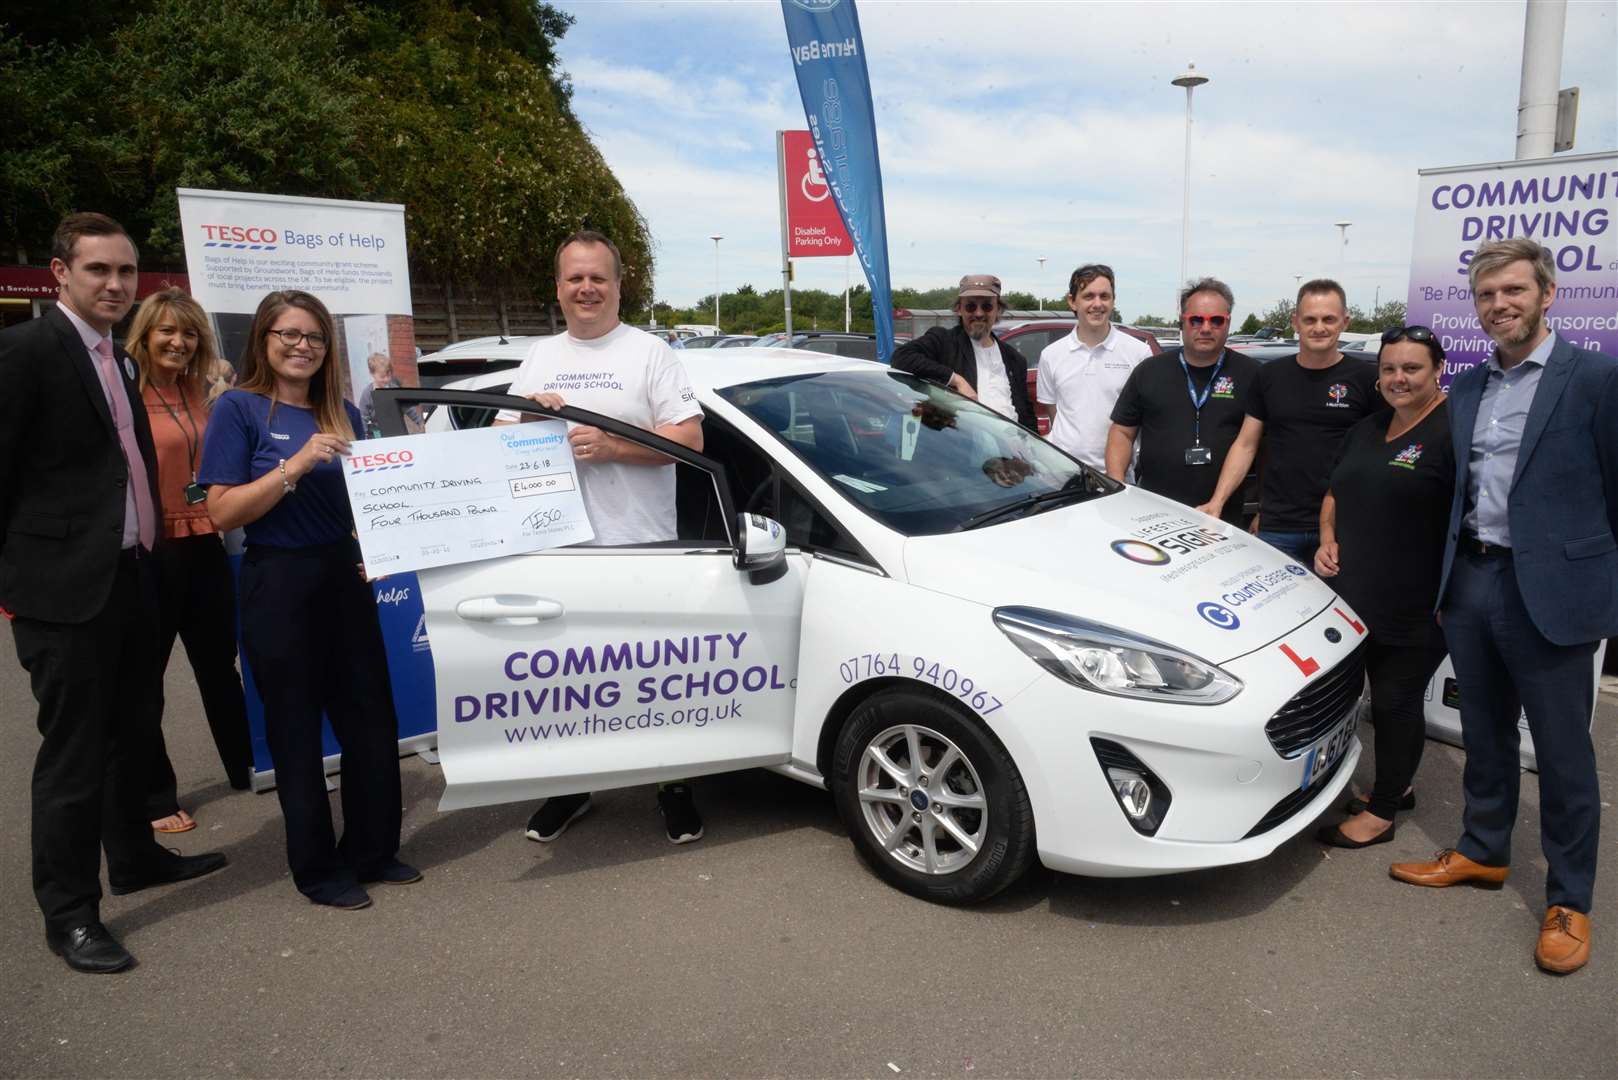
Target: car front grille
(1316, 709)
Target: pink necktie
(138, 500)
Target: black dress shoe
(1332, 836)
(89, 948)
(1357, 805)
(168, 869)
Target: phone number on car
(869, 665)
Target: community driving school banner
(1565, 203)
(240, 246)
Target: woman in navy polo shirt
(272, 464)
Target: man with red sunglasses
(968, 358)
(1301, 406)
(1185, 405)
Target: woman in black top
(1382, 529)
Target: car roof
(714, 369)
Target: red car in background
(1030, 338)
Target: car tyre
(933, 802)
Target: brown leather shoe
(1564, 941)
(1449, 867)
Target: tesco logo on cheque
(393, 459)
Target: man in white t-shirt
(1081, 375)
(616, 370)
(968, 358)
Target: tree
(456, 108)
(1250, 325)
(1279, 316)
(1154, 320)
(1388, 316)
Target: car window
(918, 458)
(859, 350)
(1030, 345)
(759, 486)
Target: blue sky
(1014, 130)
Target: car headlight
(1103, 658)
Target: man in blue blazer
(1529, 588)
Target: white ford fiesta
(987, 652)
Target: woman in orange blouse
(180, 375)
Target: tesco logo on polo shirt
(393, 459)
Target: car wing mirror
(761, 548)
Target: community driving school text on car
(987, 652)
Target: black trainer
(680, 818)
(555, 815)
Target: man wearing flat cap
(968, 358)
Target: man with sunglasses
(1184, 406)
(1081, 375)
(1301, 407)
(968, 358)
(1529, 587)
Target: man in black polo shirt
(1301, 406)
(1185, 405)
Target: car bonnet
(1134, 561)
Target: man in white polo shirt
(1081, 375)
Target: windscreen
(917, 457)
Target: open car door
(586, 668)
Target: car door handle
(508, 610)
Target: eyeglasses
(972, 307)
(291, 338)
(1421, 335)
(1216, 321)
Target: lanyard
(1198, 402)
(192, 439)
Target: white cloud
(1014, 130)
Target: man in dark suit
(78, 517)
(1529, 588)
(968, 358)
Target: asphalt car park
(767, 950)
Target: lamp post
(716, 240)
(1041, 261)
(1342, 252)
(1190, 78)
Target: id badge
(1199, 455)
(195, 493)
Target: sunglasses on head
(1215, 321)
(1421, 335)
(972, 307)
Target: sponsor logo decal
(1218, 615)
(1141, 552)
(1407, 458)
(1337, 396)
(529, 442)
(393, 459)
(1296, 571)
(1224, 387)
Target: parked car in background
(474, 356)
(707, 341)
(735, 341)
(829, 342)
(1030, 339)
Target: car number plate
(1326, 753)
